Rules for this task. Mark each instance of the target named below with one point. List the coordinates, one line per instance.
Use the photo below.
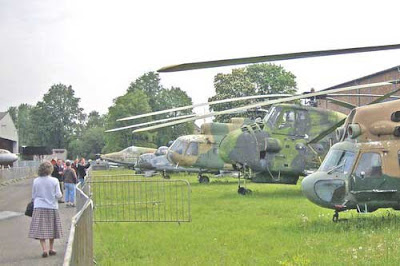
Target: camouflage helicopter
(194, 153)
(257, 154)
(127, 156)
(267, 155)
(362, 171)
(290, 140)
(151, 163)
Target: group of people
(47, 192)
(68, 175)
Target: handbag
(29, 209)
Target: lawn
(275, 225)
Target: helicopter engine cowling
(272, 145)
(339, 133)
(354, 130)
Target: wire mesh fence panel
(117, 200)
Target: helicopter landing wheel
(203, 179)
(244, 191)
(165, 175)
(335, 217)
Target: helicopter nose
(170, 156)
(308, 187)
(325, 192)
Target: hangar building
(8, 133)
(384, 75)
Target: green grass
(275, 225)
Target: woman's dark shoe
(44, 254)
(52, 252)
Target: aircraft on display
(7, 158)
(362, 171)
(157, 162)
(128, 156)
(290, 139)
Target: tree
(21, 118)
(160, 98)
(255, 79)
(149, 83)
(132, 103)
(57, 118)
(95, 120)
(169, 99)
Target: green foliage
(256, 79)
(21, 116)
(276, 225)
(95, 120)
(57, 118)
(132, 103)
(90, 144)
(171, 98)
(150, 92)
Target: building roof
(2, 114)
(362, 78)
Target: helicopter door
(367, 178)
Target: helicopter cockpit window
(288, 119)
(369, 166)
(272, 116)
(193, 149)
(178, 146)
(338, 161)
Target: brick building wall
(385, 75)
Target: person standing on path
(70, 180)
(46, 223)
(58, 172)
(82, 170)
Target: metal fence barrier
(117, 199)
(15, 173)
(80, 242)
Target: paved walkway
(15, 246)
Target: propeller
(276, 57)
(205, 104)
(270, 102)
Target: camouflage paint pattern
(128, 156)
(201, 151)
(277, 150)
(369, 132)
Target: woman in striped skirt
(46, 223)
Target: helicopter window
(193, 149)
(272, 116)
(369, 166)
(178, 146)
(288, 119)
(338, 161)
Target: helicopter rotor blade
(384, 97)
(276, 57)
(150, 123)
(327, 132)
(205, 104)
(341, 103)
(270, 102)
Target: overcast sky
(99, 47)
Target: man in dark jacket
(82, 166)
(58, 172)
